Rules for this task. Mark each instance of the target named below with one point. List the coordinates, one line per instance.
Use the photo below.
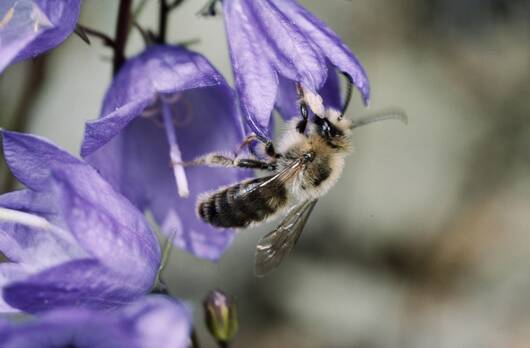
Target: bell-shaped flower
(277, 43)
(153, 321)
(165, 106)
(31, 27)
(70, 238)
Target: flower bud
(221, 316)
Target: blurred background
(425, 241)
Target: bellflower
(165, 106)
(154, 321)
(31, 27)
(274, 43)
(71, 239)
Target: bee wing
(270, 185)
(273, 247)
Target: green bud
(221, 316)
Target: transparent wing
(273, 247)
(269, 186)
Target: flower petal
(159, 321)
(336, 51)
(83, 283)
(100, 131)
(204, 123)
(291, 53)
(287, 99)
(35, 249)
(159, 70)
(152, 321)
(30, 158)
(107, 225)
(69, 327)
(256, 81)
(31, 27)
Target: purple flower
(274, 43)
(165, 106)
(31, 27)
(71, 239)
(154, 321)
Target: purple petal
(144, 173)
(31, 27)
(10, 272)
(330, 91)
(30, 158)
(152, 321)
(104, 223)
(82, 283)
(107, 225)
(72, 327)
(159, 321)
(291, 53)
(336, 51)
(101, 131)
(287, 99)
(256, 81)
(159, 70)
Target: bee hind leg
(220, 160)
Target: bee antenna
(348, 94)
(389, 114)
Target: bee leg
(302, 124)
(255, 164)
(221, 160)
(269, 146)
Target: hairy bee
(306, 164)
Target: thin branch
(175, 4)
(122, 29)
(107, 40)
(209, 9)
(146, 36)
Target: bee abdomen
(242, 204)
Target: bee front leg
(269, 146)
(302, 124)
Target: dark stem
(223, 344)
(162, 21)
(34, 80)
(107, 41)
(122, 29)
(209, 9)
(194, 339)
(175, 4)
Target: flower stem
(174, 152)
(162, 21)
(122, 29)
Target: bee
(307, 162)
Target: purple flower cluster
(80, 252)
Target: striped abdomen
(243, 204)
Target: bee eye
(325, 128)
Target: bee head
(333, 128)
